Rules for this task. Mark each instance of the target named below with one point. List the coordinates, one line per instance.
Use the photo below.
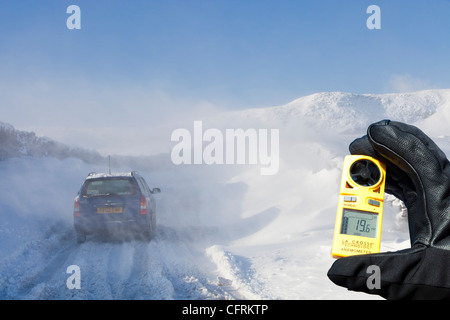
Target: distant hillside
(16, 143)
(332, 112)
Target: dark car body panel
(115, 203)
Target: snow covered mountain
(353, 112)
(224, 232)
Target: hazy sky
(145, 62)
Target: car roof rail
(91, 173)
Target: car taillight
(76, 208)
(143, 206)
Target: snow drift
(224, 232)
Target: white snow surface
(224, 231)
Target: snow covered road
(164, 268)
(38, 243)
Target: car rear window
(109, 186)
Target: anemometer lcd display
(360, 210)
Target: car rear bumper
(89, 226)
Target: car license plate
(109, 210)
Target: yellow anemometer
(360, 210)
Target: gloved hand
(418, 173)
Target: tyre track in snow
(30, 269)
(168, 267)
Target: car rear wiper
(97, 195)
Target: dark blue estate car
(118, 203)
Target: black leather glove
(418, 173)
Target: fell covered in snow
(224, 231)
